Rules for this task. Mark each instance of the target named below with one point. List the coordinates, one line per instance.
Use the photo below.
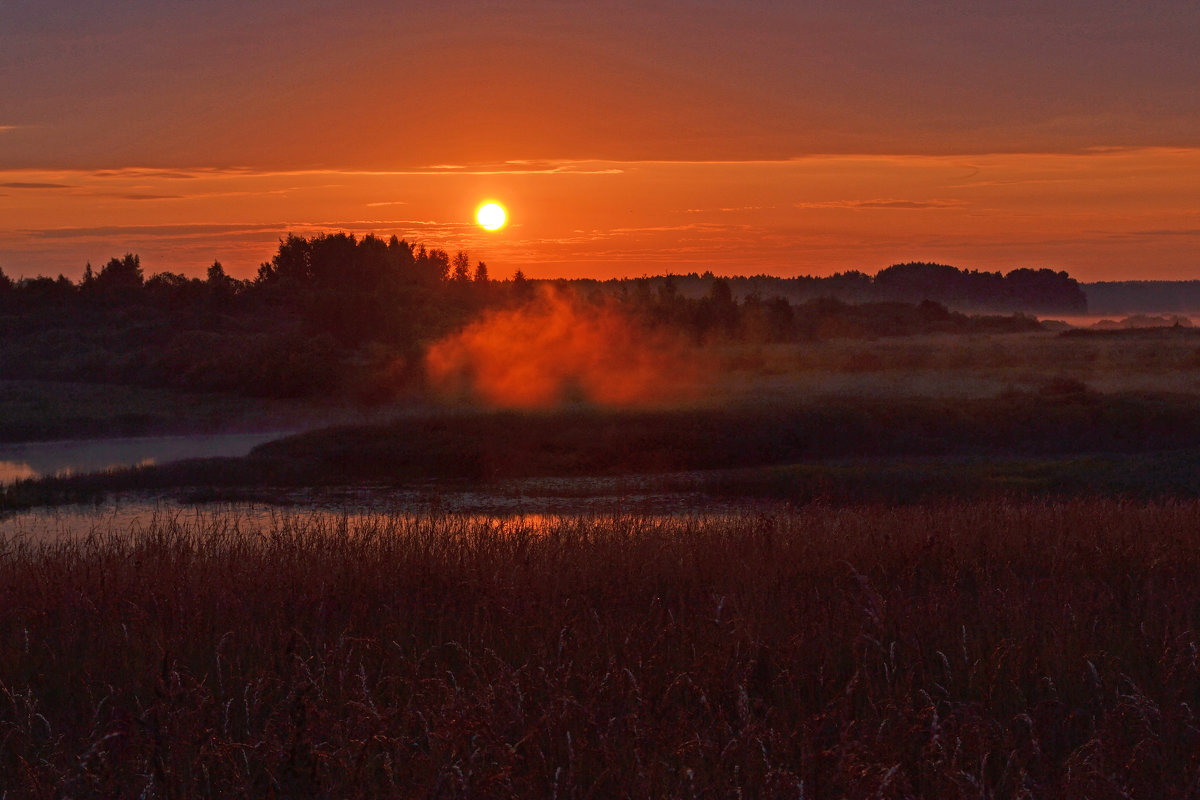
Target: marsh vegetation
(1043, 649)
(884, 550)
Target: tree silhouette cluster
(1038, 291)
(718, 316)
(337, 314)
(1032, 291)
(320, 313)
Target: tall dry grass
(956, 650)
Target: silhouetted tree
(219, 287)
(174, 292)
(433, 266)
(481, 273)
(1020, 289)
(289, 268)
(168, 283)
(216, 275)
(402, 261)
(770, 321)
(781, 320)
(462, 268)
(719, 307)
(44, 293)
(1045, 290)
(522, 289)
(668, 291)
(917, 281)
(120, 277)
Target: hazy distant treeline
(1037, 291)
(338, 314)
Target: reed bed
(987, 649)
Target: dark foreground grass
(957, 650)
(902, 481)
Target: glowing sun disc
(490, 216)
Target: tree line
(338, 314)
(1030, 291)
(321, 309)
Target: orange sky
(624, 139)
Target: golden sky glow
(785, 138)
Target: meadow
(985, 649)
(1150, 360)
(40, 410)
(895, 420)
(932, 566)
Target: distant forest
(336, 314)
(1040, 291)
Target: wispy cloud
(522, 167)
(975, 164)
(726, 209)
(506, 168)
(7, 128)
(180, 231)
(20, 185)
(971, 184)
(691, 226)
(1162, 232)
(146, 196)
(140, 172)
(561, 167)
(911, 204)
(884, 204)
(204, 229)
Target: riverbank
(1064, 439)
(40, 411)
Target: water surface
(353, 508)
(39, 459)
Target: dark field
(55, 410)
(960, 567)
(952, 650)
(1063, 439)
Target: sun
(491, 216)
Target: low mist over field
(560, 348)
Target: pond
(132, 517)
(536, 502)
(38, 459)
